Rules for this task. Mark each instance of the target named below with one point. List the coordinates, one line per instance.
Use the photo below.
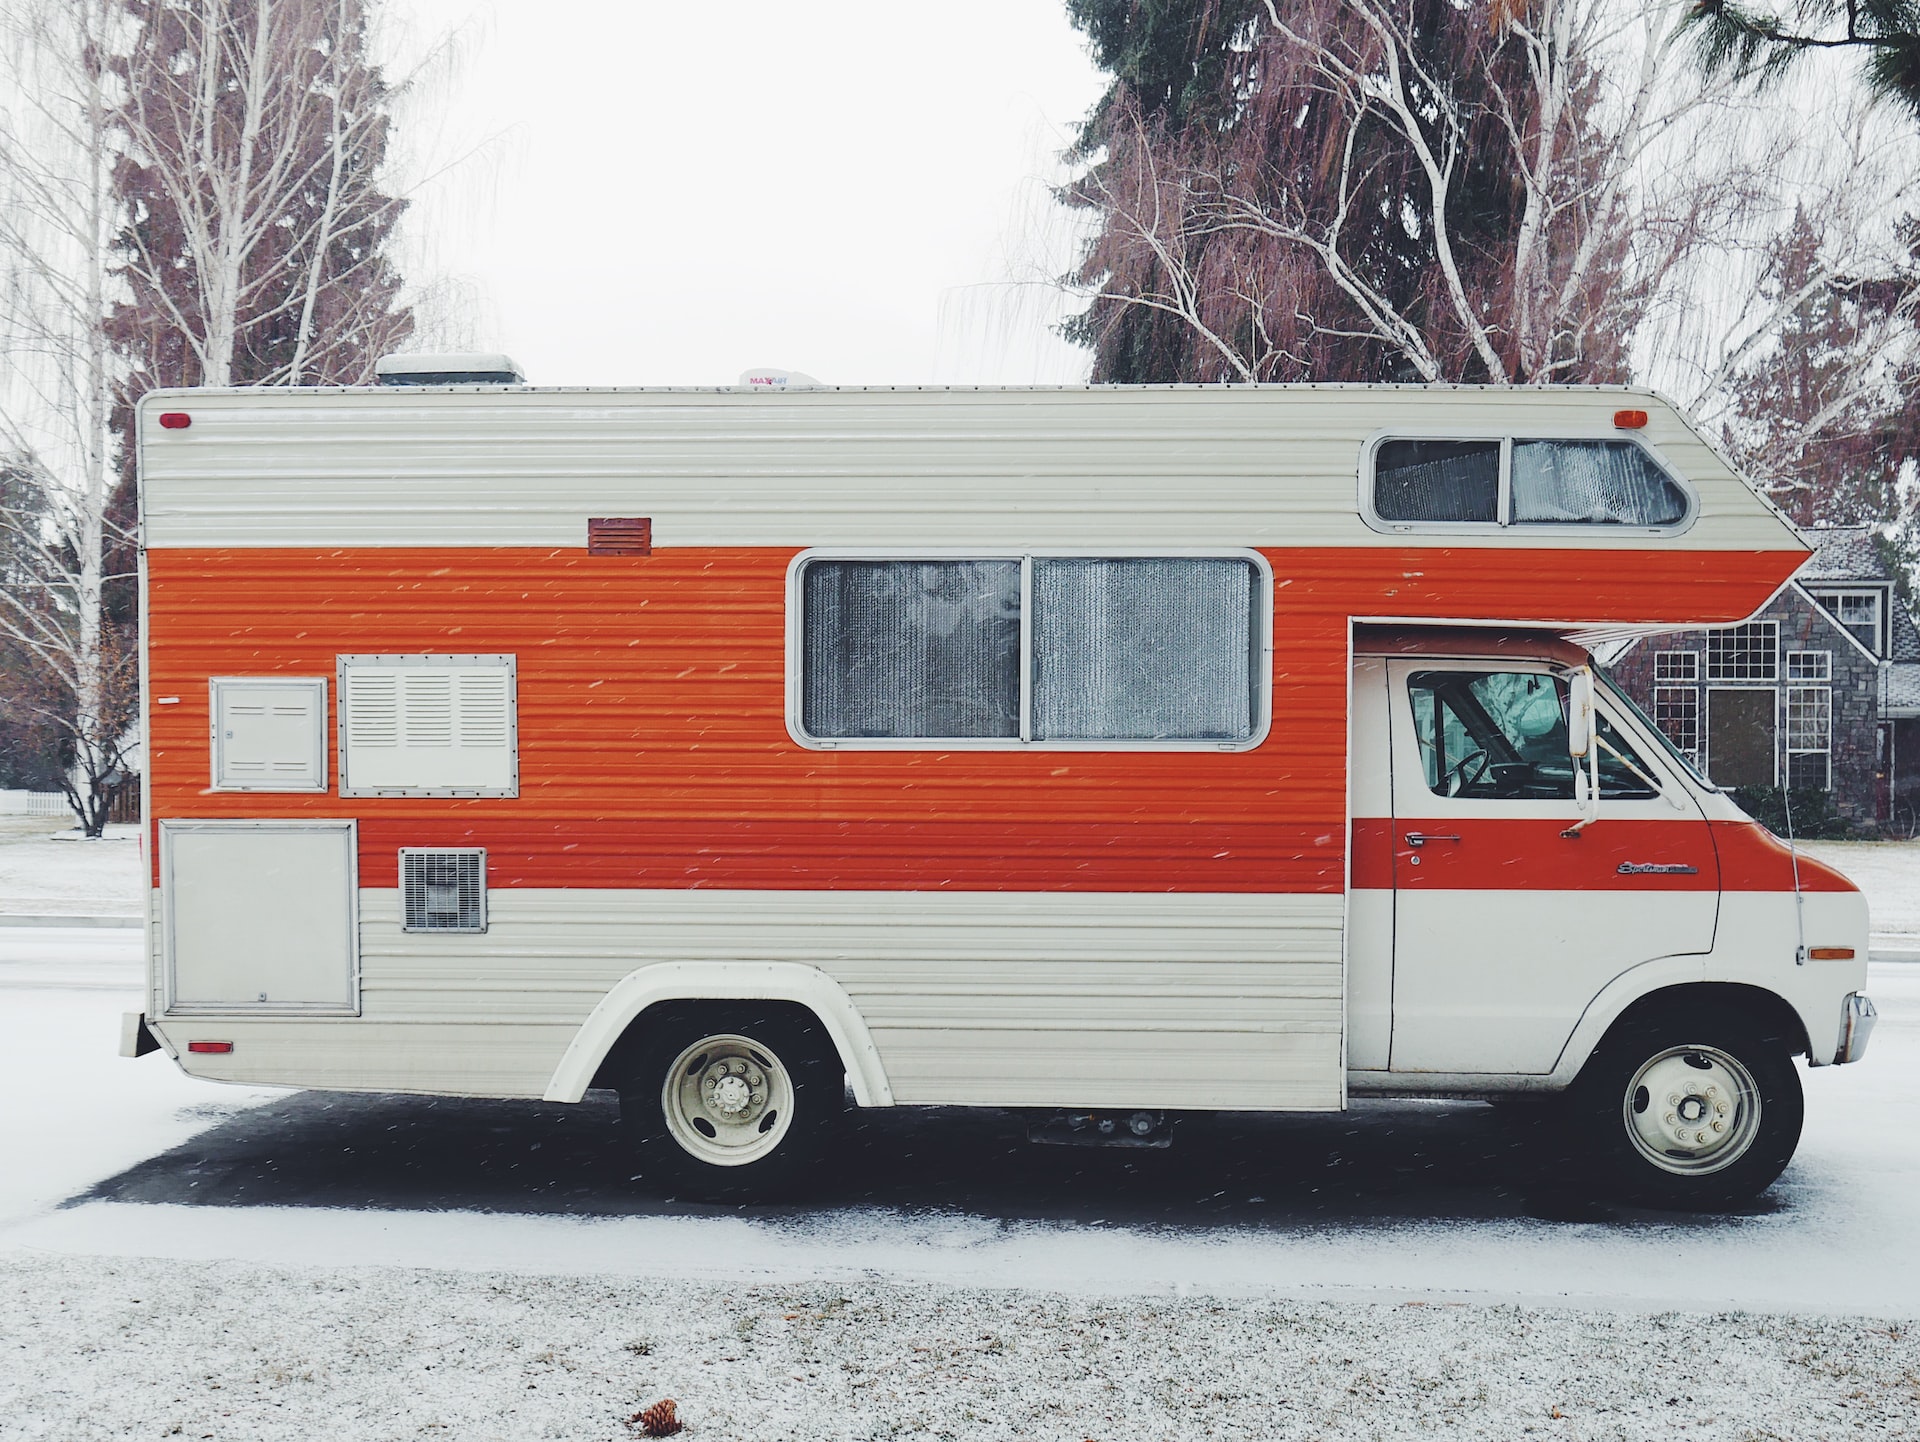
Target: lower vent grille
(444, 890)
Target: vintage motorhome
(1108, 752)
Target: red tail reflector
(175, 420)
(1831, 953)
(1625, 420)
(210, 1046)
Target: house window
(1744, 653)
(1858, 613)
(1676, 711)
(428, 726)
(1809, 665)
(1521, 482)
(1028, 650)
(1809, 737)
(1676, 665)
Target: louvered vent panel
(444, 890)
(428, 725)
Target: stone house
(1819, 690)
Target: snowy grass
(1887, 871)
(92, 1349)
(44, 871)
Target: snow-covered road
(319, 1257)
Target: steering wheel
(1457, 777)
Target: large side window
(1502, 735)
(1030, 650)
(1522, 481)
(911, 648)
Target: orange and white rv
(1109, 752)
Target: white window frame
(217, 686)
(1503, 523)
(1788, 695)
(510, 662)
(1829, 601)
(1707, 666)
(1692, 693)
(1821, 672)
(1261, 654)
(1670, 676)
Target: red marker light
(1625, 420)
(175, 420)
(205, 1047)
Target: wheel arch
(1624, 1002)
(791, 982)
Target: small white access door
(260, 917)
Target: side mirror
(1580, 713)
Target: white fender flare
(1639, 981)
(807, 986)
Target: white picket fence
(32, 803)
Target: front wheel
(1692, 1113)
(728, 1102)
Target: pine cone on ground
(659, 1420)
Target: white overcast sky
(670, 191)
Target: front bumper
(1857, 1016)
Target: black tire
(1729, 1073)
(762, 1140)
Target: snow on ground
(45, 871)
(74, 1110)
(142, 1348)
(872, 1321)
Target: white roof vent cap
(447, 370)
(771, 378)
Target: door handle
(1421, 838)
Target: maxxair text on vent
(443, 890)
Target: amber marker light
(207, 1048)
(1832, 953)
(175, 420)
(1625, 420)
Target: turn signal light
(175, 420)
(1831, 953)
(1625, 420)
(205, 1047)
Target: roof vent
(771, 378)
(447, 370)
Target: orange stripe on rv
(651, 715)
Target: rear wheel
(1697, 1112)
(731, 1102)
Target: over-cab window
(1029, 650)
(1525, 481)
(1502, 736)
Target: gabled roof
(1843, 553)
(1904, 634)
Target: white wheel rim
(728, 1100)
(1692, 1110)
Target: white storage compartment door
(260, 917)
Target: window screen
(1592, 483)
(911, 648)
(1437, 481)
(1146, 649)
(1154, 648)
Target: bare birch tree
(256, 251)
(58, 214)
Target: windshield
(1617, 695)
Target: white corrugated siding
(1036, 999)
(1272, 466)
